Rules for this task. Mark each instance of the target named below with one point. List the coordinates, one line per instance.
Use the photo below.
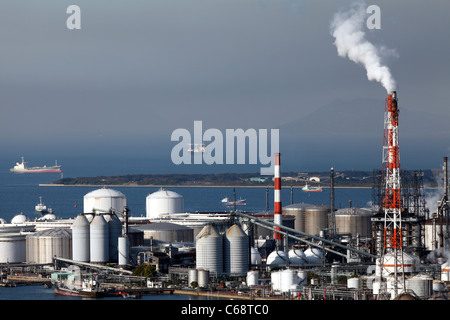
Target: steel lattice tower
(391, 259)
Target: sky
(138, 70)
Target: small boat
(308, 188)
(227, 202)
(41, 208)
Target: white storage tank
(203, 278)
(99, 240)
(103, 200)
(252, 278)
(123, 251)
(43, 245)
(12, 247)
(165, 232)
(192, 276)
(313, 255)
(277, 257)
(297, 256)
(163, 202)
(411, 263)
(81, 239)
(236, 251)
(19, 219)
(209, 250)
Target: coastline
(187, 186)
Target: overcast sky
(138, 70)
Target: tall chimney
(277, 197)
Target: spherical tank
(81, 239)
(99, 240)
(209, 250)
(43, 245)
(354, 221)
(236, 251)
(103, 200)
(163, 202)
(12, 247)
(298, 211)
(20, 218)
(277, 257)
(297, 256)
(313, 255)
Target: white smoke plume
(347, 29)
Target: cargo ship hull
(21, 167)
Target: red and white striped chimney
(277, 197)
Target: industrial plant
(299, 251)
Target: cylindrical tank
(99, 237)
(354, 221)
(163, 202)
(275, 280)
(422, 285)
(115, 231)
(289, 278)
(252, 278)
(43, 245)
(166, 232)
(316, 219)
(410, 264)
(298, 211)
(277, 257)
(297, 256)
(255, 256)
(12, 247)
(209, 250)
(353, 283)
(192, 276)
(81, 239)
(313, 255)
(236, 251)
(123, 250)
(103, 200)
(203, 278)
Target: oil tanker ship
(22, 167)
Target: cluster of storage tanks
(313, 219)
(220, 254)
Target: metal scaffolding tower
(391, 258)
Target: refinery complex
(298, 251)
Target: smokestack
(445, 178)
(277, 197)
